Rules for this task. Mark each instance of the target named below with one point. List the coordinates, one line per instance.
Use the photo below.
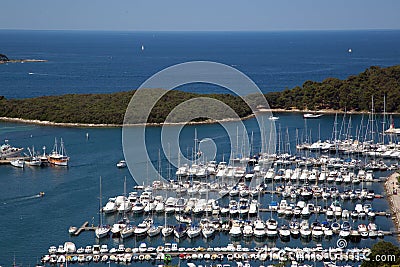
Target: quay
(392, 187)
(7, 161)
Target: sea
(105, 62)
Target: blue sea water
(103, 62)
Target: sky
(204, 15)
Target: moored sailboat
(58, 156)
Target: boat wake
(20, 199)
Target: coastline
(393, 199)
(93, 125)
(22, 61)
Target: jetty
(85, 227)
(7, 161)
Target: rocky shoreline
(22, 61)
(392, 193)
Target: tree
(382, 250)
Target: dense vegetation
(354, 94)
(383, 254)
(101, 108)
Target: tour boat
(7, 151)
(58, 156)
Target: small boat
(121, 164)
(272, 118)
(41, 194)
(72, 230)
(19, 163)
(312, 116)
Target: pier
(84, 227)
(7, 161)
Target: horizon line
(204, 31)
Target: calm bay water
(103, 62)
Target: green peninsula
(332, 94)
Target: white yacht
(236, 230)
(284, 232)
(110, 207)
(248, 230)
(142, 228)
(272, 228)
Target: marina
(313, 197)
(228, 201)
(319, 190)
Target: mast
(372, 120)
(195, 145)
(100, 207)
(384, 119)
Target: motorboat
(272, 228)
(143, 227)
(284, 232)
(110, 207)
(7, 151)
(121, 164)
(259, 228)
(362, 229)
(248, 230)
(311, 116)
(236, 230)
(19, 163)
